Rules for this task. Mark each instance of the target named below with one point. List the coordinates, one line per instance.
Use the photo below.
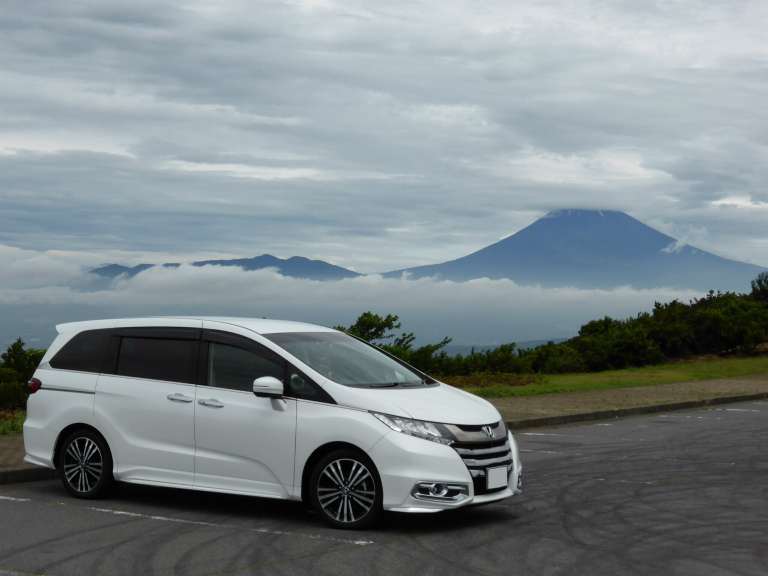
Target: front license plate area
(496, 477)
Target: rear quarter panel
(65, 398)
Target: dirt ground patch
(522, 407)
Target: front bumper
(404, 462)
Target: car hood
(442, 403)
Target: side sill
(414, 510)
(205, 489)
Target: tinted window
(84, 353)
(158, 359)
(301, 387)
(236, 369)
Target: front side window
(235, 368)
(158, 359)
(345, 360)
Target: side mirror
(268, 387)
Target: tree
(22, 362)
(760, 287)
(375, 329)
(17, 368)
(378, 331)
(670, 327)
(598, 327)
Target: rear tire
(85, 465)
(345, 489)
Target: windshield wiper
(384, 385)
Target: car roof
(258, 325)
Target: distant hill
(115, 270)
(295, 267)
(594, 249)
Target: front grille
(479, 456)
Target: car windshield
(345, 360)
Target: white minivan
(264, 408)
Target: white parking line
(199, 523)
(195, 522)
(14, 499)
(547, 434)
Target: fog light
(438, 489)
(520, 481)
(440, 492)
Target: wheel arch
(320, 453)
(72, 428)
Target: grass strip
(629, 378)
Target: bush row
(719, 323)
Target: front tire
(346, 490)
(85, 465)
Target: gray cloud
(376, 136)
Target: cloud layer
(48, 291)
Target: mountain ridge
(294, 267)
(588, 249)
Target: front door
(242, 443)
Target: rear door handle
(211, 403)
(179, 398)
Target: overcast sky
(373, 135)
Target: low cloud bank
(478, 312)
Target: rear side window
(83, 353)
(158, 359)
(236, 369)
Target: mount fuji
(594, 249)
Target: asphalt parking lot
(677, 493)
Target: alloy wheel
(346, 490)
(83, 464)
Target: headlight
(426, 430)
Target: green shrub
(13, 395)
(17, 368)
(564, 359)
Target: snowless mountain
(594, 249)
(295, 267)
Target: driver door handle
(211, 403)
(179, 398)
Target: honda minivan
(264, 408)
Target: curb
(633, 411)
(15, 475)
